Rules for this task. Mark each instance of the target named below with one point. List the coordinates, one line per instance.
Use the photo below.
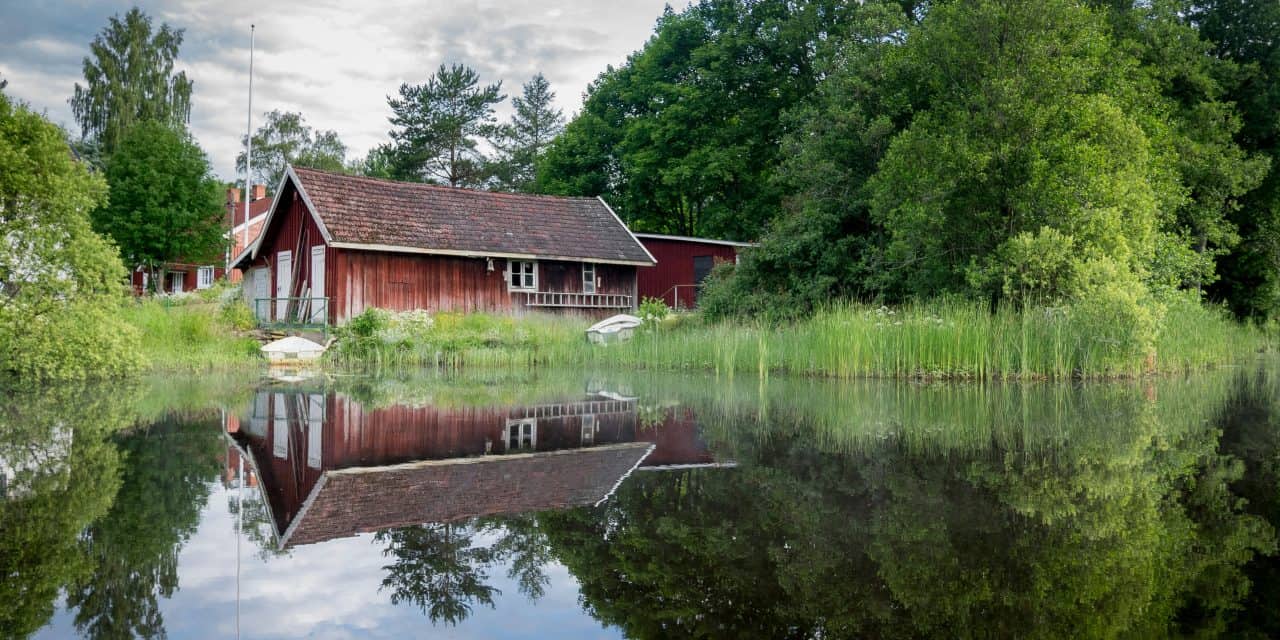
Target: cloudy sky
(334, 60)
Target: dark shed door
(702, 268)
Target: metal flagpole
(248, 141)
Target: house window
(588, 429)
(175, 282)
(522, 434)
(521, 275)
(588, 277)
(204, 278)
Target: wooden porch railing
(288, 313)
(577, 300)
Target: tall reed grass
(930, 340)
(942, 340)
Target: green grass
(943, 340)
(933, 340)
(190, 335)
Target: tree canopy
(285, 138)
(129, 78)
(165, 204)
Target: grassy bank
(947, 341)
(929, 341)
(197, 333)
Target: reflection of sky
(331, 590)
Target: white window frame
(522, 435)
(589, 282)
(177, 281)
(528, 280)
(588, 429)
(204, 277)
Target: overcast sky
(334, 60)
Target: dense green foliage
(165, 204)
(129, 78)
(286, 138)
(684, 138)
(439, 125)
(1244, 34)
(60, 283)
(1065, 153)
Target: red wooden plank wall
(675, 267)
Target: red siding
(675, 267)
(406, 281)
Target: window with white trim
(588, 429)
(522, 434)
(588, 277)
(204, 277)
(522, 275)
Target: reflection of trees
(437, 567)
(67, 474)
(166, 482)
(1251, 432)
(443, 570)
(1120, 520)
(255, 521)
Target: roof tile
(422, 216)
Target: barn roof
(346, 502)
(357, 212)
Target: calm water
(605, 506)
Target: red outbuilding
(683, 263)
(333, 245)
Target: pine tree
(440, 124)
(523, 141)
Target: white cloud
(334, 61)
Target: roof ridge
(440, 187)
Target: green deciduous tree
(439, 125)
(523, 141)
(684, 137)
(286, 138)
(1247, 34)
(129, 78)
(60, 283)
(165, 203)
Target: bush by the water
(378, 338)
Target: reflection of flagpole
(239, 533)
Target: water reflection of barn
(330, 466)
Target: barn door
(284, 283)
(261, 282)
(318, 309)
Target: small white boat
(291, 350)
(617, 328)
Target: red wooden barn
(333, 245)
(683, 263)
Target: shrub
(653, 311)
